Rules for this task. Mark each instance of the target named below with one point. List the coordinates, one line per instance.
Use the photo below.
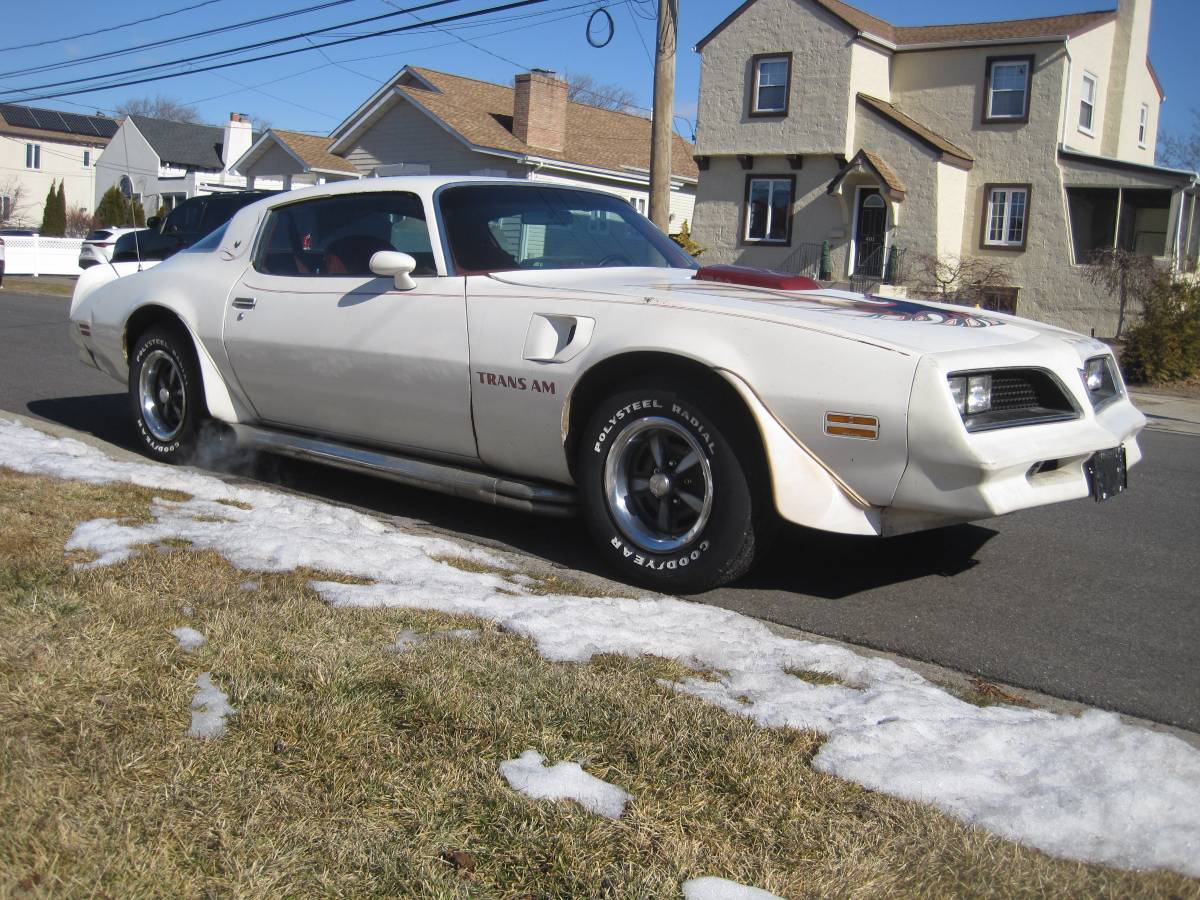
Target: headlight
(979, 394)
(972, 393)
(1100, 379)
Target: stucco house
(1029, 143)
(42, 146)
(163, 162)
(427, 122)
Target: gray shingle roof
(184, 143)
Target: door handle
(244, 302)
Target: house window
(771, 79)
(87, 158)
(33, 156)
(5, 208)
(769, 210)
(1000, 299)
(1143, 118)
(1006, 216)
(1007, 95)
(170, 201)
(1133, 219)
(1087, 103)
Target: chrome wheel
(161, 395)
(658, 484)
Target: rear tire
(670, 490)
(165, 394)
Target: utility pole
(662, 122)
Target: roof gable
(904, 36)
(480, 114)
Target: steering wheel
(614, 259)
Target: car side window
(337, 236)
(185, 218)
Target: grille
(1022, 397)
(1027, 389)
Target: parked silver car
(98, 246)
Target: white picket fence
(41, 255)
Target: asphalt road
(1097, 603)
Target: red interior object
(763, 278)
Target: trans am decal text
(516, 382)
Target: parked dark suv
(183, 226)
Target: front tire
(669, 491)
(165, 394)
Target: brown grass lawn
(349, 770)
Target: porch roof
(873, 163)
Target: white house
(161, 162)
(41, 146)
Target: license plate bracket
(1107, 473)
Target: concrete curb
(1176, 415)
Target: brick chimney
(237, 139)
(540, 110)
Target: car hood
(904, 325)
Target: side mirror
(397, 265)
(154, 222)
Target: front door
(869, 233)
(322, 345)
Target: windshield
(499, 227)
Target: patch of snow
(189, 638)
(189, 610)
(712, 888)
(563, 781)
(405, 639)
(408, 638)
(248, 586)
(1087, 787)
(210, 706)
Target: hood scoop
(759, 278)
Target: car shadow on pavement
(105, 416)
(819, 564)
(835, 566)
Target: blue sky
(313, 91)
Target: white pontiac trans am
(547, 349)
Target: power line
(164, 42)
(228, 52)
(95, 31)
(517, 4)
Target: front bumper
(956, 476)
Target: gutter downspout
(1067, 92)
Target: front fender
(807, 491)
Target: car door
(320, 344)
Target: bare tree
(159, 107)
(586, 89)
(14, 201)
(1181, 151)
(79, 222)
(958, 279)
(1129, 275)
